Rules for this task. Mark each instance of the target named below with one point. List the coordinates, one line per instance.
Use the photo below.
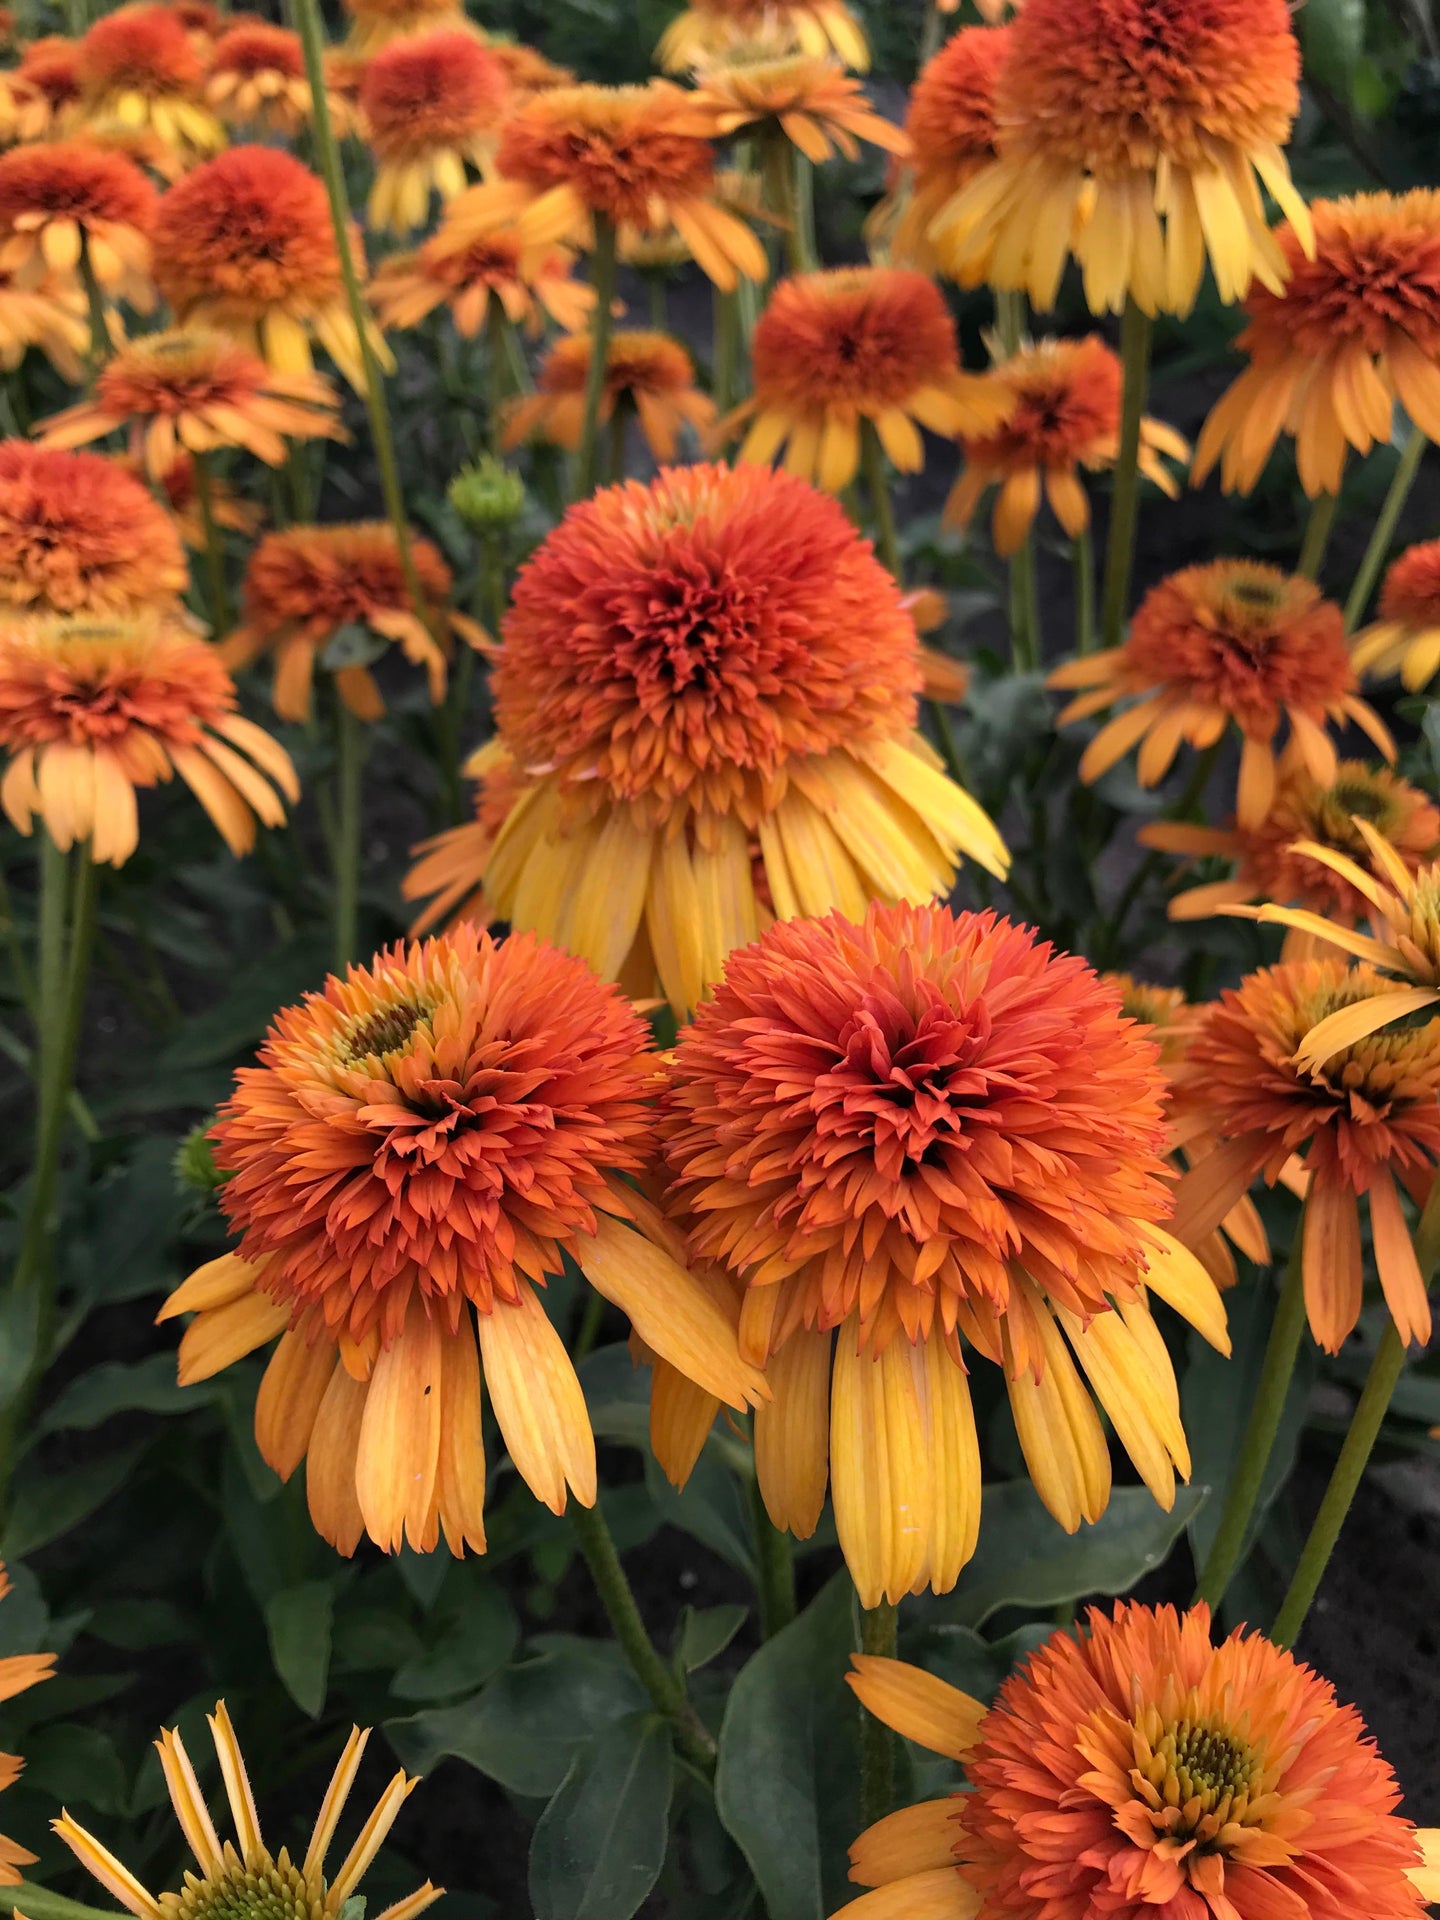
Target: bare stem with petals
(1135, 336)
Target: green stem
(450, 725)
(1082, 554)
(588, 1332)
(774, 1566)
(872, 459)
(99, 326)
(1185, 808)
(727, 341)
(1286, 1332)
(1009, 319)
(1136, 331)
(877, 1743)
(1024, 609)
(1385, 529)
(351, 742)
(495, 322)
(659, 300)
(602, 279)
(932, 34)
(780, 191)
(619, 430)
(659, 1681)
(1365, 1425)
(1317, 535)
(220, 618)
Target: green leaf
(524, 1728)
(600, 1844)
(44, 1509)
(298, 1621)
(478, 1645)
(787, 1782)
(38, 1903)
(19, 1331)
(74, 1764)
(24, 1616)
(136, 1624)
(352, 646)
(1026, 1559)
(141, 1386)
(1332, 38)
(711, 1507)
(706, 1632)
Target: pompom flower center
(1376, 273)
(857, 334)
(616, 147)
(270, 1890)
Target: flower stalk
(1385, 526)
(878, 1635)
(602, 279)
(1136, 333)
(220, 616)
(1317, 535)
(1082, 554)
(872, 458)
(351, 744)
(774, 1565)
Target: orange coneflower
(1233, 641)
(240, 1875)
(18, 1672)
(856, 344)
(92, 708)
(529, 282)
(421, 1145)
(950, 123)
(925, 1130)
(67, 195)
(527, 69)
(138, 68)
(1132, 1770)
(185, 390)
(49, 74)
(245, 243)
(1365, 1118)
(1135, 134)
(427, 106)
(257, 79)
(649, 373)
(50, 315)
(1356, 324)
(377, 24)
(634, 156)
(809, 99)
(708, 686)
(305, 583)
(1406, 637)
(1061, 403)
(708, 29)
(79, 535)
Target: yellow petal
(915, 1839)
(919, 1706)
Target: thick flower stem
(774, 1566)
(1317, 535)
(877, 1743)
(602, 279)
(1024, 609)
(1286, 1332)
(663, 1686)
(1384, 532)
(99, 325)
(872, 457)
(1365, 1425)
(1082, 553)
(726, 348)
(214, 549)
(351, 742)
(1136, 331)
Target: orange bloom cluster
(1365, 1118)
(1237, 642)
(79, 535)
(18, 1673)
(427, 105)
(1134, 1770)
(529, 283)
(67, 195)
(257, 78)
(707, 29)
(47, 83)
(49, 315)
(812, 101)
(1356, 325)
(1406, 637)
(377, 24)
(950, 123)
(93, 708)
(647, 372)
(137, 69)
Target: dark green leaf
(1332, 37)
(617, 1393)
(711, 1507)
(24, 1615)
(141, 1386)
(298, 1621)
(478, 1645)
(600, 1844)
(352, 646)
(44, 1509)
(76, 1765)
(137, 1624)
(706, 1632)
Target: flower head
(245, 243)
(187, 390)
(925, 1130)
(857, 344)
(64, 195)
(94, 707)
(377, 24)
(257, 78)
(1237, 642)
(530, 282)
(18, 1673)
(49, 315)
(809, 99)
(79, 535)
(527, 69)
(1134, 134)
(419, 1147)
(1407, 634)
(427, 105)
(1061, 405)
(950, 124)
(1361, 1120)
(649, 373)
(137, 66)
(241, 1876)
(708, 29)
(1132, 1768)
(49, 73)
(1356, 324)
(708, 685)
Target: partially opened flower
(49, 314)
(67, 195)
(137, 66)
(1361, 1121)
(80, 535)
(1355, 326)
(1406, 637)
(18, 1673)
(245, 244)
(950, 124)
(240, 1875)
(257, 79)
(1132, 1769)
(1135, 135)
(1061, 405)
(49, 74)
(428, 106)
(304, 584)
(650, 374)
(1236, 643)
(707, 29)
(189, 391)
(94, 707)
(530, 283)
(708, 686)
(635, 156)
(807, 99)
(854, 345)
(925, 1133)
(421, 1145)
(377, 24)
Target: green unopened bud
(488, 495)
(194, 1163)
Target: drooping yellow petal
(915, 1839)
(917, 1705)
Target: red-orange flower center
(251, 227)
(439, 91)
(139, 50)
(869, 335)
(259, 48)
(51, 65)
(79, 535)
(1411, 594)
(951, 115)
(73, 180)
(619, 148)
(323, 578)
(637, 362)
(1375, 276)
(96, 682)
(1066, 406)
